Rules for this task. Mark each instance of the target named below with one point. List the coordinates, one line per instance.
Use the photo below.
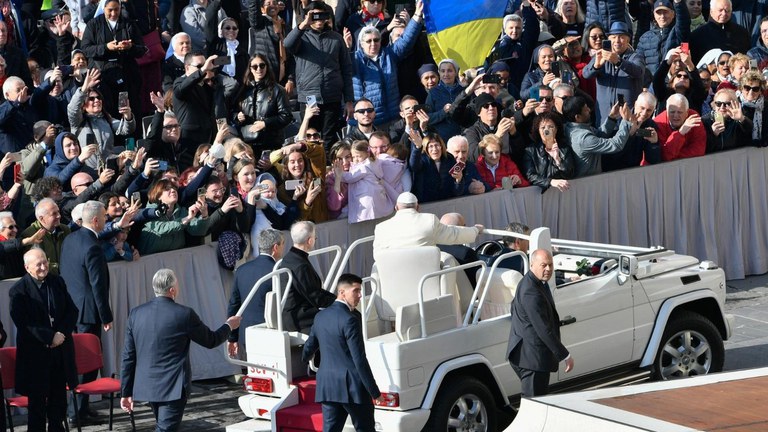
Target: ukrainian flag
(463, 30)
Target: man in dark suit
(271, 246)
(306, 296)
(45, 317)
(534, 348)
(84, 269)
(345, 383)
(156, 366)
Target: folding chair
(8, 373)
(88, 358)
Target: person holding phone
(752, 98)
(519, 37)
(618, 70)
(440, 99)
(263, 106)
(430, 165)
(222, 40)
(545, 69)
(70, 158)
(549, 161)
(309, 195)
(671, 26)
(642, 148)
(679, 75)
(727, 128)
(375, 66)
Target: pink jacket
(394, 170)
(368, 196)
(336, 201)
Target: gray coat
(323, 65)
(589, 143)
(625, 78)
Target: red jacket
(506, 168)
(675, 145)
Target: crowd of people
(178, 119)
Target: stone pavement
(213, 403)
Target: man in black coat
(84, 269)
(534, 348)
(156, 366)
(271, 245)
(306, 295)
(45, 317)
(719, 32)
(345, 383)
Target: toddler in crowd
(370, 195)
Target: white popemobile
(437, 346)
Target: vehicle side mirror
(627, 268)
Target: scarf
(757, 118)
(367, 16)
(231, 51)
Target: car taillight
(391, 400)
(261, 385)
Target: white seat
(439, 313)
(501, 291)
(456, 283)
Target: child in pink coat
(369, 193)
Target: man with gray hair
(156, 366)
(642, 148)
(49, 218)
(306, 296)
(84, 269)
(271, 247)
(11, 247)
(682, 134)
(17, 121)
(471, 182)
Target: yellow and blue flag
(463, 30)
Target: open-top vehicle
(437, 345)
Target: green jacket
(51, 243)
(167, 233)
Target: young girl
(395, 169)
(369, 192)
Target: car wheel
(466, 405)
(691, 345)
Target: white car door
(602, 333)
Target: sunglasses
(489, 105)
(752, 89)
(259, 66)
(682, 75)
(13, 227)
(313, 135)
(723, 63)
(365, 110)
(374, 40)
(94, 98)
(376, 1)
(229, 28)
(720, 104)
(597, 37)
(546, 98)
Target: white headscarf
(231, 48)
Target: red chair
(88, 358)
(8, 373)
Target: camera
(58, 128)
(161, 209)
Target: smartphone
(265, 155)
(292, 184)
(684, 48)
(90, 138)
(321, 16)
(221, 122)
(718, 117)
(201, 192)
(644, 133)
(620, 99)
(311, 100)
(567, 77)
(316, 182)
(67, 70)
(420, 107)
(404, 7)
(111, 163)
(556, 68)
(606, 45)
(222, 60)
(459, 167)
(491, 79)
(753, 64)
(262, 187)
(122, 100)
(506, 183)
(163, 165)
(534, 93)
(17, 172)
(136, 196)
(130, 144)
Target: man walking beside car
(534, 348)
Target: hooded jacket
(63, 168)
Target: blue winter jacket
(376, 79)
(440, 120)
(607, 12)
(625, 78)
(656, 42)
(63, 168)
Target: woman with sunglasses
(677, 74)
(372, 13)
(222, 41)
(263, 107)
(727, 127)
(752, 98)
(375, 67)
(594, 35)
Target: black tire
(691, 345)
(455, 400)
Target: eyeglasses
(721, 104)
(259, 66)
(723, 63)
(752, 89)
(313, 135)
(12, 227)
(217, 191)
(94, 98)
(229, 28)
(597, 37)
(86, 184)
(365, 111)
(683, 76)
(374, 40)
(546, 98)
(171, 126)
(375, 1)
